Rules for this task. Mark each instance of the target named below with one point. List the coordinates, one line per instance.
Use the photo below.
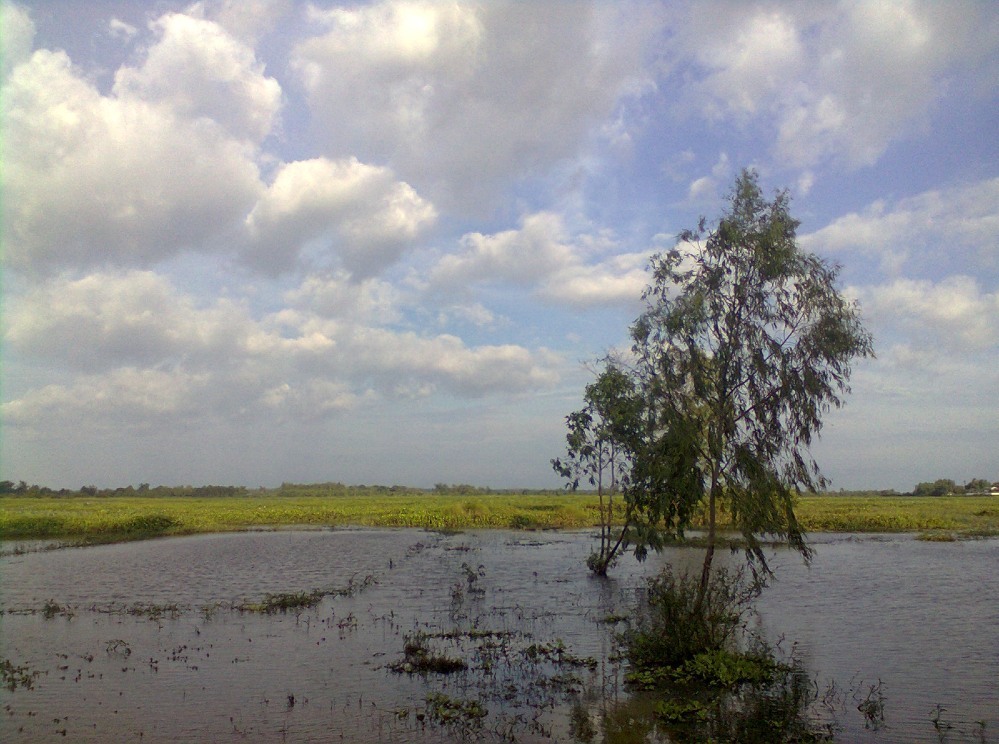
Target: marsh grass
(297, 602)
(85, 519)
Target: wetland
(407, 634)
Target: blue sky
(265, 241)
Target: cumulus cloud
(460, 97)
(519, 256)
(247, 20)
(368, 216)
(836, 81)
(17, 34)
(541, 255)
(109, 320)
(131, 396)
(121, 29)
(92, 179)
(953, 313)
(339, 295)
(935, 227)
(132, 344)
(619, 280)
(200, 71)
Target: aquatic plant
(419, 658)
(13, 676)
(448, 711)
(677, 623)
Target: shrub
(672, 628)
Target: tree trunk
(709, 553)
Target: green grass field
(117, 517)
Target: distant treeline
(941, 487)
(143, 489)
(285, 489)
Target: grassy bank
(107, 518)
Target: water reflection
(528, 626)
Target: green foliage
(603, 444)
(448, 711)
(723, 668)
(940, 487)
(85, 520)
(677, 623)
(745, 343)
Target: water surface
(143, 641)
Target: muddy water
(147, 641)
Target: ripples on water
(142, 646)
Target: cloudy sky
(255, 241)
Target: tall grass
(129, 517)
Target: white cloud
(339, 296)
(750, 60)
(368, 215)
(461, 97)
(953, 313)
(541, 256)
(17, 34)
(520, 256)
(131, 343)
(120, 29)
(109, 320)
(200, 71)
(247, 20)
(619, 280)
(137, 397)
(837, 81)
(936, 227)
(91, 180)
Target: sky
(250, 242)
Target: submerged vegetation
(706, 677)
(83, 518)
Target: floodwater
(154, 641)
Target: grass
(91, 519)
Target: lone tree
(744, 344)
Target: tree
(744, 344)
(939, 487)
(977, 485)
(601, 445)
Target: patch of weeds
(148, 524)
(296, 602)
(51, 608)
(472, 575)
(154, 612)
(14, 676)
(678, 711)
(872, 706)
(523, 522)
(419, 658)
(449, 711)
(285, 602)
(613, 619)
(650, 678)
(556, 653)
(721, 668)
(674, 624)
(936, 536)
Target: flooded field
(321, 636)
